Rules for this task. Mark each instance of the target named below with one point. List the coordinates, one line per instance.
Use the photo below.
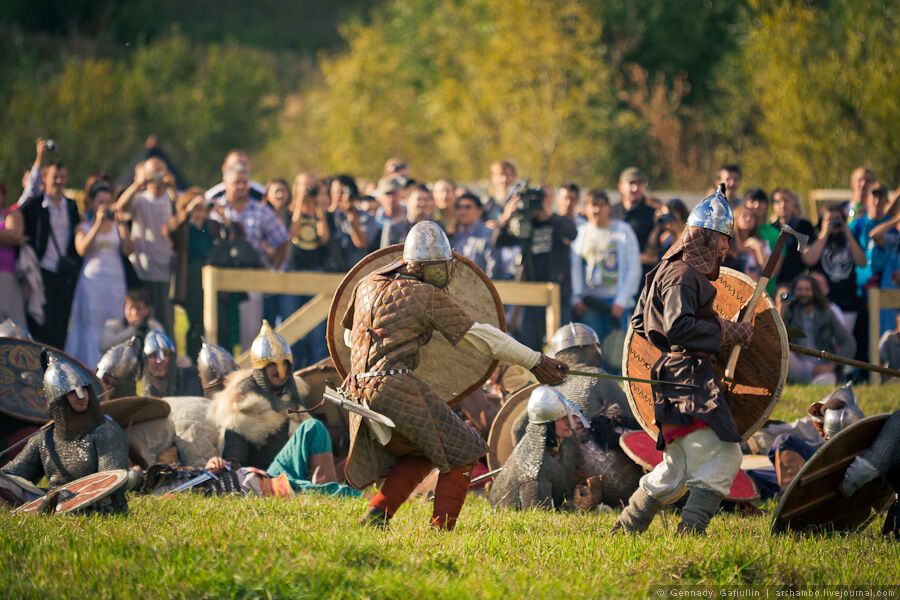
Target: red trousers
(449, 495)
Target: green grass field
(311, 546)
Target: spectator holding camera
(354, 230)
(100, 291)
(809, 312)
(50, 222)
(670, 222)
(544, 238)
(606, 268)
(32, 184)
(836, 254)
(875, 232)
(150, 201)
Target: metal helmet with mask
(546, 405)
(713, 212)
(270, 347)
(214, 363)
(428, 248)
(62, 377)
(157, 343)
(573, 335)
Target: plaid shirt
(260, 224)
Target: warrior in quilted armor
(541, 471)
(259, 416)
(393, 313)
(81, 440)
(880, 461)
(697, 432)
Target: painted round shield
(813, 499)
(641, 448)
(22, 380)
(450, 372)
(501, 439)
(82, 493)
(132, 410)
(761, 370)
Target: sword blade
(337, 398)
(634, 379)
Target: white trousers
(697, 460)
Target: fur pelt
(249, 414)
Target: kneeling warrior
(675, 313)
(81, 440)
(392, 314)
(880, 461)
(255, 411)
(162, 375)
(542, 470)
(214, 363)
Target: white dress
(99, 296)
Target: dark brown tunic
(390, 318)
(675, 313)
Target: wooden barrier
(879, 299)
(321, 287)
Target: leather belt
(368, 374)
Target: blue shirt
(875, 255)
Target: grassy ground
(311, 546)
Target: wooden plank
(210, 305)
(525, 294)
(300, 283)
(874, 328)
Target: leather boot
(787, 464)
(449, 496)
(700, 507)
(639, 513)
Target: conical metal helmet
(214, 363)
(121, 361)
(546, 405)
(573, 335)
(269, 347)
(714, 213)
(157, 343)
(427, 242)
(11, 329)
(61, 377)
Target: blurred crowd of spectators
(86, 275)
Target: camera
(108, 213)
(665, 219)
(787, 297)
(50, 145)
(312, 191)
(529, 202)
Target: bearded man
(393, 313)
(697, 432)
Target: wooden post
(210, 305)
(554, 309)
(874, 329)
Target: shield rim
(779, 526)
(642, 463)
(776, 394)
(341, 289)
(95, 381)
(507, 414)
(120, 474)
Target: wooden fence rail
(321, 287)
(879, 299)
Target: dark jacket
(831, 335)
(180, 245)
(546, 252)
(675, 313)
(37, 225)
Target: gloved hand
(550, 371)
(735, 333)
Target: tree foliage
(201, 100)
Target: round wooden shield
(450, 372)
(22, 380)
(84, 492)
(500, 440)
(132, 410)
(813, 499)
(641, 448)
(761, 370)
